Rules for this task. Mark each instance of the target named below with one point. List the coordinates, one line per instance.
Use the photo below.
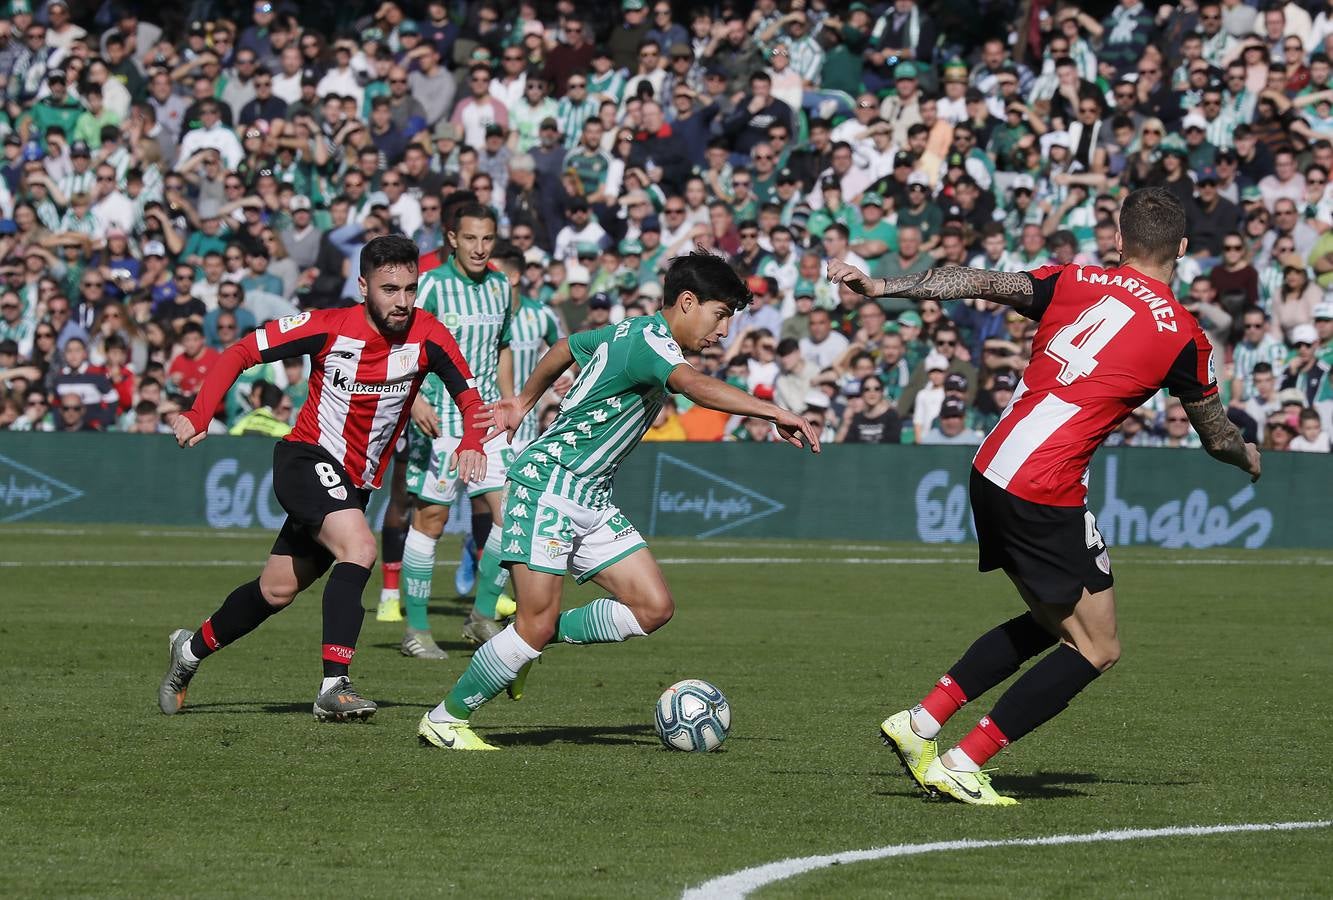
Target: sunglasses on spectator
(36, 402)
(749, 234)
(1233, 246)
(45, 336)
(93, 282)
(939, 343)
(222, 326)
(397, 81)
(514, 57)
(577, 84)
(739, 183)
(429, 207)
(675, 210)
(1254, 325)
(70, 407)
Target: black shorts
(310, 484)
(1054, 551)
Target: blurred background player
(533, 329)
(473, 300)
(368, 363)
(1108, 340)
(559, 514)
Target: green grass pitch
(1218, 713)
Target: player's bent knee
(278, 592)
(361, 553)
(655, 611)
(1102, 655)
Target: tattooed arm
(1014, 289)
(1220, 437)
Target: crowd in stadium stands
(167, 184)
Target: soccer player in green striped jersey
(473, 300)
(533, 328)
(559, 513)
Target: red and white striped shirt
(1107, 341)
(362, 384)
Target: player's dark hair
(451, 204)
(706, 276)
(509, 258)
(388, 250)
(1152, 224)
(473, 210)
(270, 394)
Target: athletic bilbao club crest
(338, 493)
(288, 323)
(403, 362)
(1104, 562)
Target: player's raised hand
(424, 417)
(470, 465)
(506, 416)
(186, 434)
(1253, 464)
(840, 272)
(796, 431)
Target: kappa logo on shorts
(338, 493)
(1104, 562)
(288, 323)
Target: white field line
(739, 884)
(683, 561)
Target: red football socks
(944, 699)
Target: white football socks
(923, 723)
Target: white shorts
(553, 535)
(429, 478)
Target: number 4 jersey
(1108, 339)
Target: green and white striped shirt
(532, 330)
(613, 402)
(477, 314)
(571, 116)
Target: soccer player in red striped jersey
(1107, 341)
(368, 361)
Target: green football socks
(491, 576)
(602, 621)
(418, 567)
(493, 668)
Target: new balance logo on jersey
(342, 354)
(341, 382)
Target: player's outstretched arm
(719, 395)
(1014, 289)
(1220, 436)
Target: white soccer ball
(692, 715)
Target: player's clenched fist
(186, 434)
